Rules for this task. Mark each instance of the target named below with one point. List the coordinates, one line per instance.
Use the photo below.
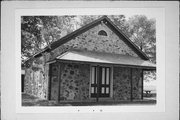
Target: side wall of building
(36, 79)
(121, 83)
(137, 85)
(127, 80)
(74, 81)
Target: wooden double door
(100, 81)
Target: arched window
(102, 32)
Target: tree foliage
(143, 34)
(121, 22)
(39, 31)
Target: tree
(39, 31)
(86, 19)
(121, 22)
(143, 34)
(30, 35)
(118, 20)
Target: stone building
(94, 63)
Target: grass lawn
(28, 100)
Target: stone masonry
(75, 78)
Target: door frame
(49, 83)
(110, 81)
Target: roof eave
(146, 68)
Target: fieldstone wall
(122, 83)
(91, 41)
(36, 78)
(75, 80)
(73, 85)
(137, 83)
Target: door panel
(93, 81)
(104, 81)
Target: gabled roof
(107, 58)
(85, 28)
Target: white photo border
(159, 14)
